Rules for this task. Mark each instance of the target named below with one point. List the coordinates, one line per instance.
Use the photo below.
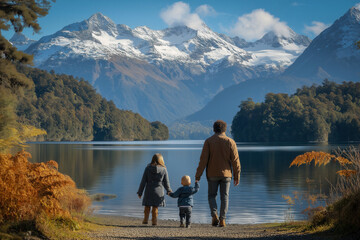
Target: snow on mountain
(274, 50)
(133, 66)
(333, 53)
(21, 41)
(100, 38)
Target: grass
(47, 228)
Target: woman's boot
(146, 214)
(154, 215)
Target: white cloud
(180, 14)
(206, 10)
(254, 25)
(316, 27)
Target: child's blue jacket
(184, 195)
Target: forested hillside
(330, 112)
(69, 109)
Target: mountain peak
(98, 22)
(352, 16)
(332, 52)
(99, 17)
(21, 41)
(19, 38)
(281, 39)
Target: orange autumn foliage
(323, 158)
(319, 158)
(346, 173)
(29, 189)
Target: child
(154, 180)
(185, 201)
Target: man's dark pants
(213, 185)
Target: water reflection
(117, 167)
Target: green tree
(16, 15)
(329, 112)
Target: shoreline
(122, 227)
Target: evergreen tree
(16, 15)
(329, 112)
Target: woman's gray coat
(154, 180)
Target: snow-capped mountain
(21, 41)
(100, 38)
(273, 50)
(162, 74)
(333, 54)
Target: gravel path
(110, 227)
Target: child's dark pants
(185, 213)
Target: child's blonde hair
(186, 180)
(158, 159)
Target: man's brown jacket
(218, 156)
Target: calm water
(117, 168)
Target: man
(220, 157)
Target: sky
(248, 19)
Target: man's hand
(139, 196)
(236, 182)
(196, 181)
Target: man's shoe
(222, 223)
(215, 221)
(182, 225)
(188, 225)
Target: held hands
(168, 193)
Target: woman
(154, 180)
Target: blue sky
(248, 19)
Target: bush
(31, 189)
(342, 212)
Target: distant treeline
(69, 109)
(330, 112)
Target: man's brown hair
(219, 126)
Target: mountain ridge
(191, 65)
(331, 55)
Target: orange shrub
(28, 189)
(319, 158)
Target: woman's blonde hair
(158, 159)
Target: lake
(117, 168)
